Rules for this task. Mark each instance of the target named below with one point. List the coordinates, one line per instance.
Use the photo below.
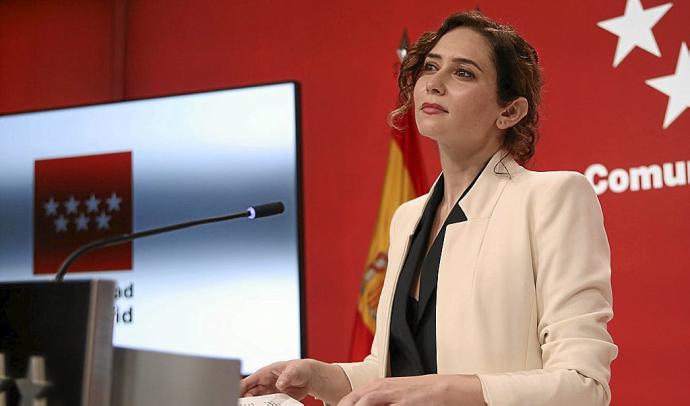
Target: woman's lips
(433, 108)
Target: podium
(145, 378)
(56, 349)
(61, 333)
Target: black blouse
(413, 323)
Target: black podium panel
(64, 330)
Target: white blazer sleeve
(361, 373)
(571, 262)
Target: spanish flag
(404, 181)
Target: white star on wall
(676, 87)
(634, 29)
(113, 202)
(71, 205)
(82, 222)
(103, 221)
(51, 207)
(61, 224)
(92, 204)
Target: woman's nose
(435, 85)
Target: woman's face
(455, 94)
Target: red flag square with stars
(78, 200)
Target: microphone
(253, 212)
(265, 210)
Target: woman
(498, 283)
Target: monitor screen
(230, 290)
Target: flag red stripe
(362, 338)
(408, 141)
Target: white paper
(276, 399)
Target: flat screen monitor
(231, 290)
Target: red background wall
(58, 53)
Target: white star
(51, 207)
(113, 202)
(634, 29)
(82, 222)
(71, 205)
(61, 224)
(103, 221)
(92, 204)
(33, 387)
(676, 87)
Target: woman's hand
(290, 377)
(419, 390)
(297, 379)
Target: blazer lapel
(430, 266)
(461, 248)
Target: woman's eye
(464, 73)
(429, 66)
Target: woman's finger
(249, 393)
(377, 398)
(294, 375)
(247, 384)
(351, 398)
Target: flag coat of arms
(78, 200)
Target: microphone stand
(263, 210)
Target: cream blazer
(524, 290)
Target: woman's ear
(512, 113)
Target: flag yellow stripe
(397, 189)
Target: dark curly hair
(517, 70)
